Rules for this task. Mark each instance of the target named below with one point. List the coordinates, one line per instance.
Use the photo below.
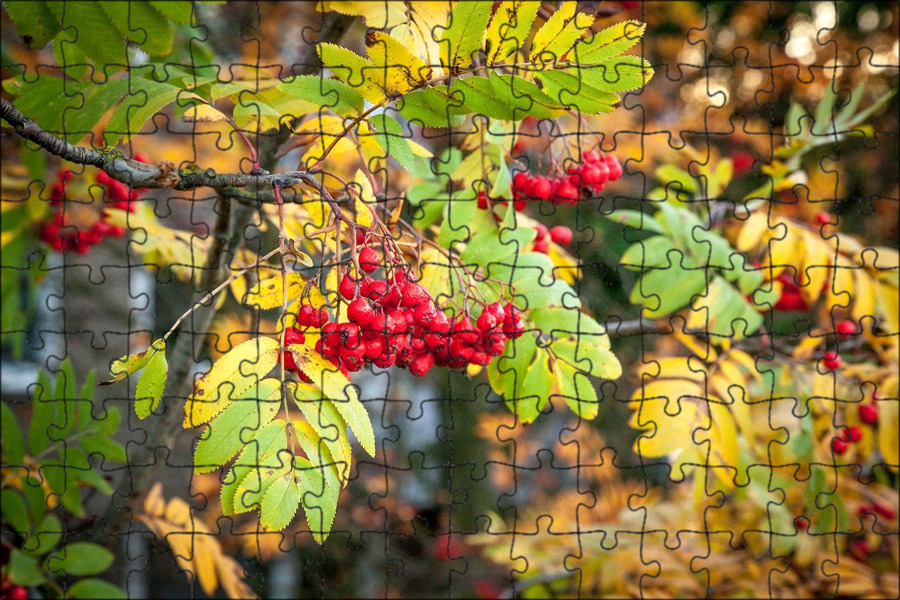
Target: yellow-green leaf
(381, 14)
(560, 32)
(267, 293)
(151, 385)
(462, 38)
(279, 503)
(336, 387)
(328, 424)
(128, 365)
(508, 29)
(365, 202)
(398, 70)
(352, 69)
(230, 376)
(610, 42)
(576, 390)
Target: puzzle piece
(469, 299)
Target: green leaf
(637, 219)
(151, 385)
(430, 106)
(571, 91)
(319, 493)
(280, 503)
(505, 374)
(80, 558)
(476, 95)
(24, 570)
(720, 308)
(615, 75)
(576, 389)
(560, 323)
(178, 11)
(233, 429)
(262, 451)
(328, 425)
(34, 22)
(589, 358)
(670, 174)
(337, 388)
(328, 93)
(11, 438)
(52, 102)
(352, 69)
(667, 289)
(108, 449)
(95, 588)
(390, 136)
(525, 96)
(14, 510)
(535, 386)
(47, 535)
(509, 28)
(43, 413)
(609, 42)
(146, 100)
(652, 253)
(105, 45)
(131, 364)
(461, 39)
(142, 24)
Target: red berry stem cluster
(849, 435)
(590, 175)
(62, 235)
(396, 322)
(560, 234)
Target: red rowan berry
(868, 414)
(561, 235)
(831, 360)
(368, 260)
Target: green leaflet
(240, 421)
(663, 291)
(430, 106)
(151, 384)
(588, 357)
(572, 91)
(80, 558)
(462, 36)
(13, 442)
(533, 392)
(24, 570)
(47, 535)
(559, 323)
(393, 139)
(576, 390)
(260, 452)
(136, 109)
(280, 503)
(95, 588)
(142, 24)
(615, 75)
(327, 93)
(34, 21)
(609, 42)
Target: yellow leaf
(417, 31)
(863, 295)
(398, 70)
(381, 15)
(508, 29)
(267, 293)
(203, 113)
(354, 70)
(751, 235)
(366, 204)
(336, 387)
(230, 376)
(706, 353)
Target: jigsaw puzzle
(450, 299)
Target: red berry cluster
(398, 323)
(877, 508)
(791, 299)
(62, 235)
(831, 360)
(592, 174)
(868, 413)
(12, 591)
(839, 445)
(560, 234)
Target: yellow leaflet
(786, 252)
(399, 71)
(203, 113)
(724, 448)
(840, 292)
(863, 295)
(267, 294)
(887, 302)
(567, 266)
(702, 352)
(806, 348)
(416, 33)
(437, 274)
(557, 36)
(611, 42)
(751, 235)
(231, 376)
(508, 29)
(674, 367)
(354, 70)
(327, 128)
(888, 427)
(817, 261)
(333, 431)
(336, 387)
(365, 206)
(381, 15)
